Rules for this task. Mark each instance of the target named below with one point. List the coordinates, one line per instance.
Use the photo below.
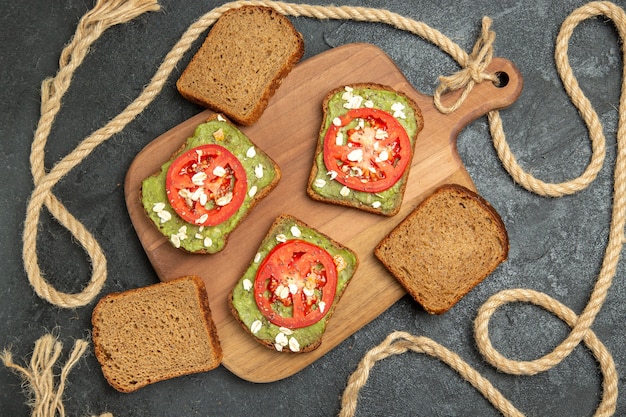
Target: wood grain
(288, 131)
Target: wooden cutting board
(288, 131)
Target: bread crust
(110, 369)
(281, 220)
(400, 273)
(255, 200)
(188, 78)
(320, 148)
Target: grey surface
(556, 244)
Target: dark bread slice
(391, 199)
(242, 62)
(450, 243)
(242, 299)
(150, 334)
(153, 188)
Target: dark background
(557, 245)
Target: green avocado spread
(260, 170)
(243, 299)
(339, 104)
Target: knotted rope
(106, 14)
(473, 71)
(581, 324)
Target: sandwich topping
(206, 185)
(201, 195)
(287, 295)
(365, 147)
(295, 284)
(368, 149)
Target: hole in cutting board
(503, 79)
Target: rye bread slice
(242, 298)
(242, 62)
(150, 334)
(449, 244)
(323, 187)
(210, 239)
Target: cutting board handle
(486, 96)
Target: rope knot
(472, 73)
(475, 71)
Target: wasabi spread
(202, 193)
(287, 295)
(365, 148)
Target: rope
(91, 26)
(473, 71)
(108, 13)
(401, 342)
(39, 376)
(580, 325)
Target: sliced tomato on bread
(365, 148)
(297, 275)
(288, 294)
(204, 191)
(368, 149)
(206, 185)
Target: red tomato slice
(298, 275)
(371, 157)
(206, 185)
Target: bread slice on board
(261, 175)
(150, 334)
(337, 186)
(242, 62)
(279, 326)
(450, 243)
